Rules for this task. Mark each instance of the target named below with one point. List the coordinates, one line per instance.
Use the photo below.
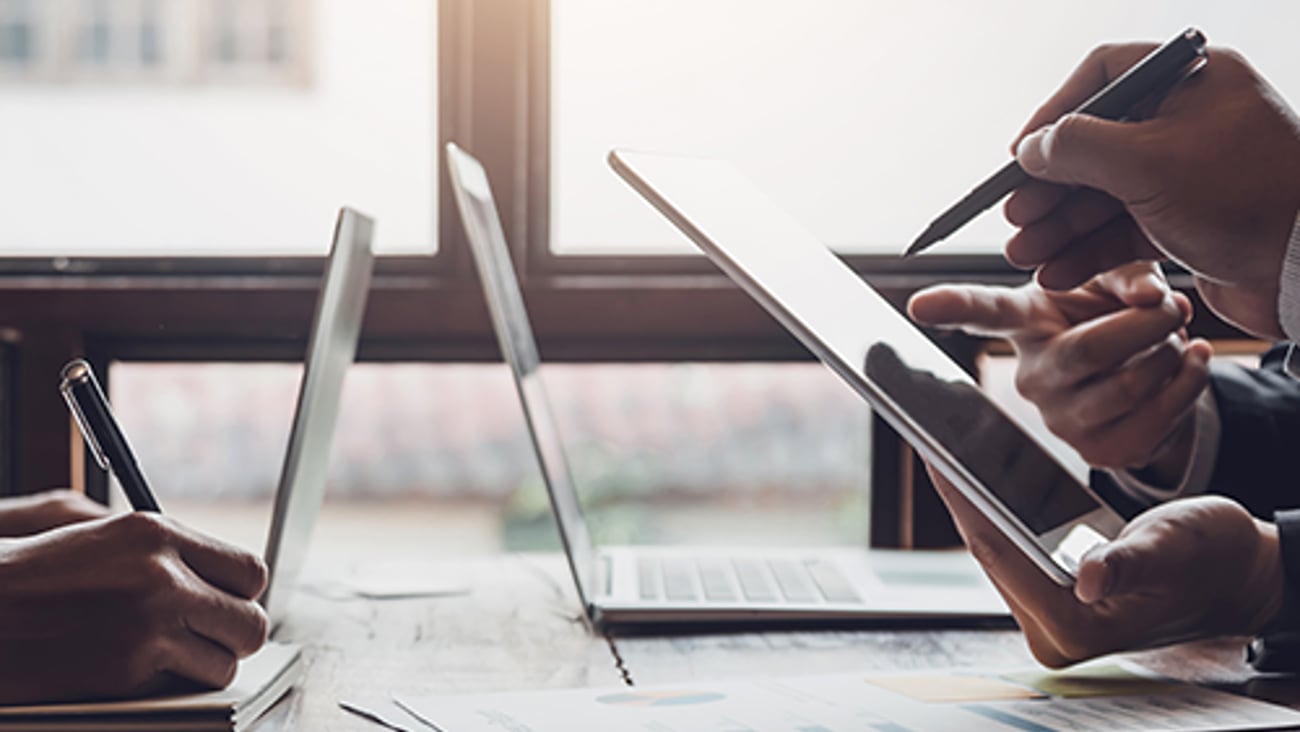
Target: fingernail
(1031, 155)
(1099, 556)
(1202, 350)
(1157, 282)
(1108, 578)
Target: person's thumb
(1079, 149)
(1128, 564)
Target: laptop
(1016, 479)
(331, 348)
(680, 585)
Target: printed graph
(660, 698)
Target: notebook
(260, 681)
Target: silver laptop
(621, 585)
(330, 350)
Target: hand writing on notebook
(1190, 568)
(121, 606)
(1210, 180)
(1107, 364)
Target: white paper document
(1100, 698)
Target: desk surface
(518, 627)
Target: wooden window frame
(493, 97)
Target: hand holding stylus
(1211, 181)
(1143, 82)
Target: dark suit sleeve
(1259, 437)
(1278, 647)
(1259, 440)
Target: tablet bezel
(1060, 569)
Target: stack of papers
(1096, 698)
(260, 681)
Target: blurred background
(201, 129)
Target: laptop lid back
(330, 350)
(515, 335)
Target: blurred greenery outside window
(764, 453)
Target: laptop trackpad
(922, 570)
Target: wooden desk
(518, 628)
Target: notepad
(260, 681)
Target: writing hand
(120, 606)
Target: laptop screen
(330, 350)
(515, 334)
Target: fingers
(967, 519)
(1116, 393)
(1075, 220)
(1130, 441)
(1013, 572)
(1136, 561)
(1074, 217)
(1082, 150)
(1032, 201)
(1140, 284)
(1100, 345)
(1040, 642)
(221, 565)
(983, 310)
(1093, 580)
(239, 626)
(1201, 347)
(210, 629)
(1099, 68)
(1071, 263)
(200, 660)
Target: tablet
(986, 453)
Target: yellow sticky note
(954, 687)
(1108, 680)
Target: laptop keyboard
(741, 580)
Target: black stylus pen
(105, 438)
(1149, 78)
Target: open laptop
(620, 585)
(330, 350)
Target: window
(96, 41)
(252, 37)
(865, 119)
(218, 137)
(163, 149)
(119, 37)
(18, 46)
